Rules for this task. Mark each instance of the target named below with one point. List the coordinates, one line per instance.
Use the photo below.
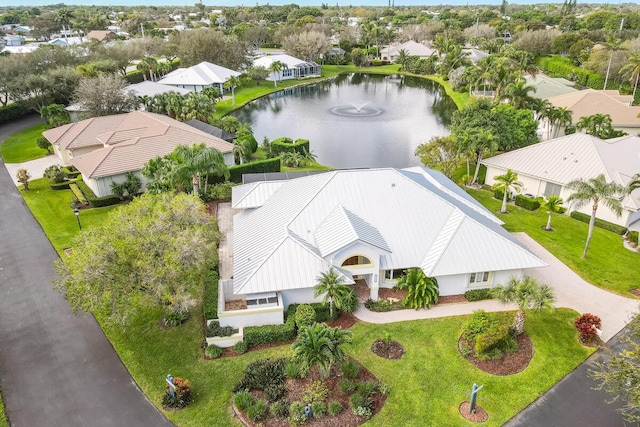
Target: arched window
(356, 260)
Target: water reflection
(356, 120)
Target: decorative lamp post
(76, 212)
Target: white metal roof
(202, 74)
(288, 60)
(415, 217)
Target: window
(481, 277)
(552, 189)
(394, 274)
(356, 260)
(265, 299)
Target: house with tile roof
(294, 68)
(367, 224)
(101, 35)
(198, 77)
(412, 48)
(105, 148)
(547, 167)
(588, 102)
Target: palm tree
(634, 184)
(632, 70)
(197, 160)
(506, 183)
(422, 290)
(552, 204)
(402, 58)
(518, 93)
(320, 345)
(596, 190)
(480, 143)
(275, 68)
(148, 64)
(335, 291)
(561, 117)
(528, 294)
(232, 83)
(612, 45)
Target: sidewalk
(571, 291)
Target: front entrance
(363, 288)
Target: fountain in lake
(353, 110)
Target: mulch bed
(507, 365)
(212, 208)
(479, 416)
(393, 351)
(344, 321)
(544, 227)
(452, 299)
(346, 418)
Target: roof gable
(588, 102)
(202, 74)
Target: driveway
(56, 369)
(34, 167)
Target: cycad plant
(422, 290)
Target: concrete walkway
(571, 291)
(35, 168)
(56, 369)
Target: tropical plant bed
(344, 321)
(391, 350)
(508, 364)
(391, 300)
(295, 390)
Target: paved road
(56, 369)
(573, 402)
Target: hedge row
(618, 229)
(270, 334)
(323, 311)
(287, 145)
(134, 77)
(64, 185)
(258, 166)
(12, 112)
(78, 193)
(527, 202)
(563, 67)
(478, 294)
(97, 202)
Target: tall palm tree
(632, 70)
(320, 345)
(275, 68)
(551, 204)
(596, 190)
(634, 184)
(612, 45)
(482, 142)
(518, 93)
(528, 294)
(402, 58)
(232, 83)
(506, 183)
(197, 160)
(148, 64)
(562, 118)
(335, 291)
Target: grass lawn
(425, 390)
(3, 417)
(52, 210)
(21, 146)
(608, 264)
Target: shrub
(348, 386)
(214, 329)
(315, 392)
(492, 337)
(211, 294)
(279, 409)
(350, 369)
(586, 325)
(240, 347)
(380, 306)
(175, 318)
(361, 405)
(43, 143)
(335, 408)
(384, 388)
(96, 202)
(527, 202)
(323, 312)
(182, 393)
(318, 409)
(54, 174)
(221, 191)
(499, 194)
(9, 113)
(270, 334)
(261, 374)
(633, 236)
(76, 192)
(305, 315)
(367, 388)
(479, 322)
(618, 229)
(294, 370)
(296, 413)
(379, 62)
(274, 392)
(70, 172)
(478, 294)
(258, 410)
(287, 145)
(243, 400)
(213, 351)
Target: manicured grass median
(608, 265)
(21, 146)
(52, 209)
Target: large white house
(368, 224)
(547, 167)
(198, 77)
(293, 68)
(105, 148)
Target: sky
(272, 2)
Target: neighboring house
(547, 167)
(105, 148)
(588, 102)
(13, 40)
(294, 68)
(474, 54)
(212, 130)
(411, 47)
(368, 224)
(198, 77)
(68, 41)
(548, 87)
(101, 36)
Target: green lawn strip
(608, 265)
(3, 417)
(21, 146)
(52, 210)
(150, 353)
(432, 378)
(312, 167)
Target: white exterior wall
(298, 296)
(228, 159)
(102, 186)
(63, 155)
(258, 316)
(458, 284)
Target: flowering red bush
(586, 325)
